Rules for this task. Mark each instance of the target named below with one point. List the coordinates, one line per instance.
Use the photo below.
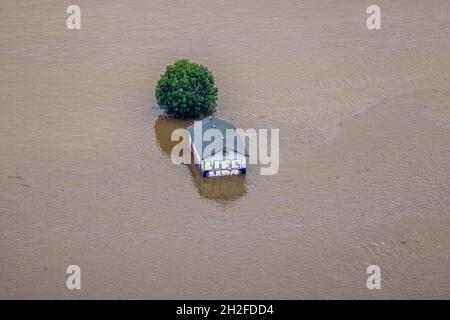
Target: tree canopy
(186, 90)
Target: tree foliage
(186, 90)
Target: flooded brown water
(364, 119)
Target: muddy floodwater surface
(364, 120)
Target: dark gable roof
(220, 124)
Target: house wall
(195, 152)
(231, 155)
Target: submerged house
(229, 158)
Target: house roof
(221, 125)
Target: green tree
(186, 90)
